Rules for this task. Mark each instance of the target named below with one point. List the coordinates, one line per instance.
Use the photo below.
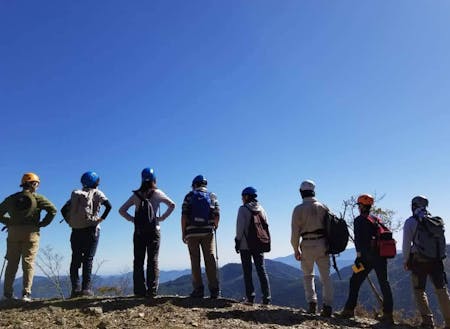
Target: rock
(103, 325)
(93, 310)
(61, 321)
(141, 315)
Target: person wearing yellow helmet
(23, 223)
(368, 258)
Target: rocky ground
(167, 312)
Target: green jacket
(30, 216)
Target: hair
(307, 193)
(146, 186)
(364, 209)
(250, 197)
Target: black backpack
(258, 238)
(144, 217)
(429, 237)
(336, 233)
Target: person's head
(90, 179)
(148, 179)
(199, 181)
(418, 202)
(249, 194)
(307, 188)
(365, 203)
(30, 182)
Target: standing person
(308, 223)
(422, 259)
(82, 214)
(147, 236)
(199, 218)
(24, 210)
(250, 208)
(368, 256)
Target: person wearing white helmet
(23, 223)
(308, 225)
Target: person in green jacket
(23, 223)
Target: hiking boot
(75, 294)
(386, 318)
(8, 297)
(197, 293)
(214, 294)
(266, 301)
(312, 308)
(326, 311)
(249, 301)
(87, 293)
(347, 313)
(26, 297)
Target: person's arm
(108, 207)
(408, 236)
(185, 212)
(3, 210)
(168, 202)
(357, 232)
(295, 236)
(216, 210)
(49, 207)
(123, 211)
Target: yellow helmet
(30, 177)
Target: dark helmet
(419, 202)
(148, 175)
(250, 191)
(90, 179)
(199, 180)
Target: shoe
(151, 294)
(8, 297)
(266, 301)
(197, 293)
(87, 293)
(347, 313)
(386, 318)
(249, 301)
(326, 311)
(75, 294)
(26, 297)
(214, 294)
(312, 308)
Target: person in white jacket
(243, 247)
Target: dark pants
(146, 244)
(379, 264)
(258, 259)
(84, 245)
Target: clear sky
(352, 94)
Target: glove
(237, 245)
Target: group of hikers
(423, 242)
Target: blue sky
(351, 94)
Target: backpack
(81, 209)
(144, 216)
(200, 208)
(336, 233)
(383, 243)
(258, 238)
(429, 237)
(25, 205)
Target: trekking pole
(217, 258)
(3, 268)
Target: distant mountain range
(286, 283)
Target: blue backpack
(200, 208)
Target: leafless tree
(50, 263)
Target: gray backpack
(81, 213)
(429, 237)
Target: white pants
(313, 251)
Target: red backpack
(383, 243)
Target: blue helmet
(148, 175)
(249, 191)
(90, 179)
(199, 180)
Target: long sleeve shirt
(157, 197)
(16, 217)
(306, 217)
(365, 232)
(409, 230)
